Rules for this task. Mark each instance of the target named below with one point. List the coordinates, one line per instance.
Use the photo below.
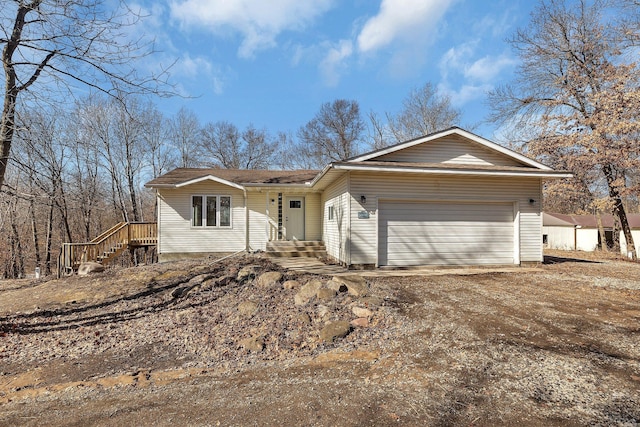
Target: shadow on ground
(548, 259)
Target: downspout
(267, 218)
(348, 245)
(246, 222)
(158, 225)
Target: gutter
(532, 174)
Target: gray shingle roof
(182, 175)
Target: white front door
(294, 218)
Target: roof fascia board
(322, 173)
(210, 178)
(257, 184)
(538, 174)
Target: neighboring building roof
(184, 176)
(586, 221)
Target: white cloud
(487, 68)
(202, 70)
(333, 62)
(401, 19)
(473, 77)
(465, 94)
(455, 59)
(259, 22)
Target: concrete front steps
(296, 248)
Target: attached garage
(445, 233)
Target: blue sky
(273, 63)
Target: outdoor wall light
(532, 201)
(363, 199)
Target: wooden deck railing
(107, 245)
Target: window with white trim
(211, 211)
(330, 214)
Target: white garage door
(451, 233)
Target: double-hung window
(211, 211)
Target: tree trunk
(7, 127)
(17, 256)
(47, 258)
(603, 237)
(619, 211)
(34, 227)
(134, 198)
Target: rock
(307, 292)
(199, 279)
(323, 311)
(360, 322)
(291, 284)
(252, 344)
(193, 290)
(269, 278)
(90, 267)
(335, 330)
(222, 281)
(247, 308)
(248, 272)
(337, 286)
(362, 312)
(180, 292)
(304, 318)
(326, 294)
(355, 284)
(372, 301)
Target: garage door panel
(451, 233)
(437, 229)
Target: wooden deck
(108, 245)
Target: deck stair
(108, 245)
(296, 248)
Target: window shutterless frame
(211, 211)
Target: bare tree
(335, 133)
(259, 148)
(66, 42)
(220, 145)
(229, 148)
(159, 154)
(424, 111)
(185, 133)
(380, 135)
(576, 88)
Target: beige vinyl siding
(335, 230)
(178, 236)
(375, 186)
(258, 231)
(313, 217)
(453, 150)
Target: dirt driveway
(557, 346)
